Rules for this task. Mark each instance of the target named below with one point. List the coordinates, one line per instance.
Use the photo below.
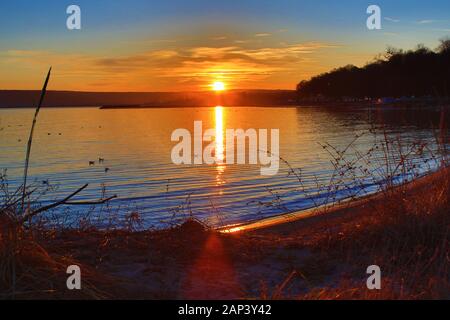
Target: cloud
(426, 21)
(263, 34)
(219, 38)
(283, 53)
(242, 41)
(188, 67)
(391, 19)
(162, 41)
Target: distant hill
(29, 98)
(414, 73)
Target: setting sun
(218, 86)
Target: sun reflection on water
(219, 147)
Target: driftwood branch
(66, 201)
(53, 205)
(79, 203)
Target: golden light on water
(219, 147)
(219, 153)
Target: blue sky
(334, 31)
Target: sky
(180, 45)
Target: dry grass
(406, 233)
(27, 270)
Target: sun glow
(218, 86)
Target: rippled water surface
(136, 146)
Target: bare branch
(10, 204)
(79, 203)
(53, 205)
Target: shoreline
(289, 104)
(324, 209)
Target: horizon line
(195, 91)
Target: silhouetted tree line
(397, 73)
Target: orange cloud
(184, 68)
(263, 34)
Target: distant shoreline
(336, 105)
(195, 106)
(29, 98)
(10, 99)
